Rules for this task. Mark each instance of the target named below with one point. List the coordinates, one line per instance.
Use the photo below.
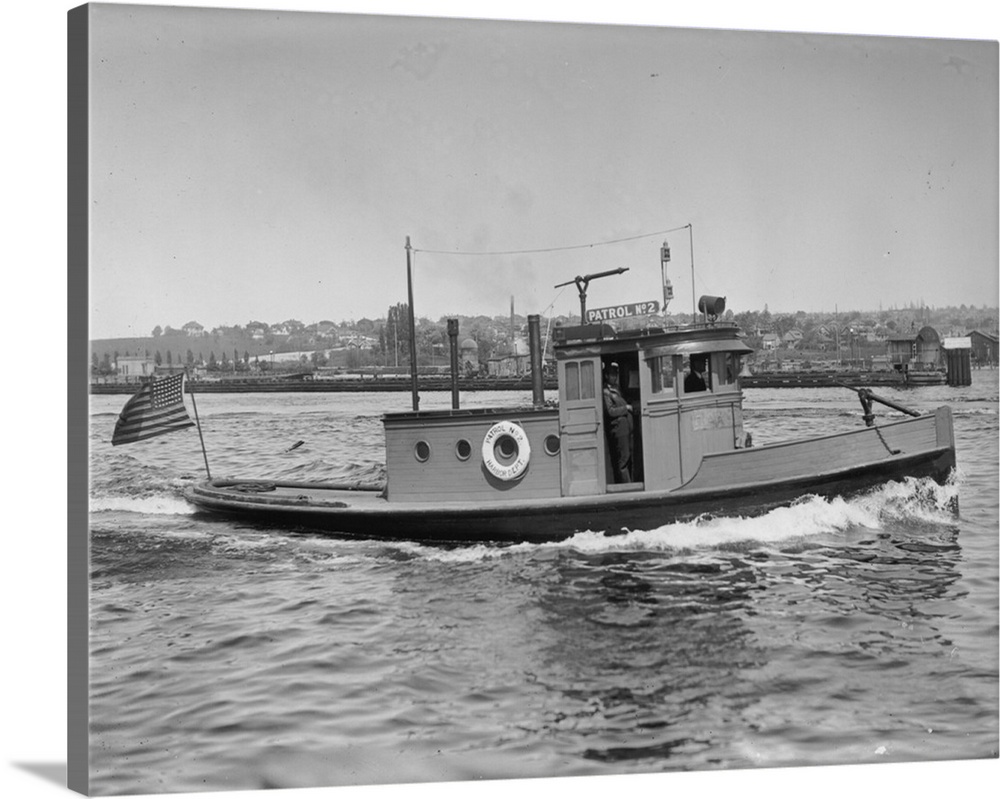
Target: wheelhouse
(677, 422)
(545, 451)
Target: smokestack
(535, 348)
(453, 344)
(513, 339)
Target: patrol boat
(544, 471)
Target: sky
(270, 165)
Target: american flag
(156, 409)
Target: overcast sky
(255, 165)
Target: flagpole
(197, 421)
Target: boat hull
(839, 465)
(926, 378)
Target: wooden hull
(743, 482)
(917, 378)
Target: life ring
(516, 468)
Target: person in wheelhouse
(619, 415)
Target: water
(225, 656)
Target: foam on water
(157, 504)
(807, 517)
(915, 500)
(911, 500)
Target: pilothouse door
(581, 426)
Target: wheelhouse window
(663, 372)
(580, 384)
(726, 370)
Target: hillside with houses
(258, 347)
(857, 339)
(292, 345)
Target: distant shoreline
(279, 385)
(438, 383)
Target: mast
(413, 327)
(690, 228)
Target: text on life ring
(522, 454)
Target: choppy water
(225, 656)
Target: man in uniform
(619, 416)
(695, 380)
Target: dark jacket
(617, 409)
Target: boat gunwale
(437, 414)
(211, 491)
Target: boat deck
(744, 482)
(292, 494)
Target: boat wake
(911, 502)
(155, 504)
(119, 483)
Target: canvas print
(475, 400)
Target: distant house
(821, 338)
(193, 329)
(900, 350)
(863, 332)
(326, 328)
(984, 347)
(134, 368)
(257, 330)
(355, 339)
(770, 341)
(792, 338)
(291, 327)
(508, 366)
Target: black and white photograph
(485, 400)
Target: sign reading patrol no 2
(622, 311)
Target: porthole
(422, 451)
(552, 445)
(463, 450)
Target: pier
(344, 384)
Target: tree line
(385, 343)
